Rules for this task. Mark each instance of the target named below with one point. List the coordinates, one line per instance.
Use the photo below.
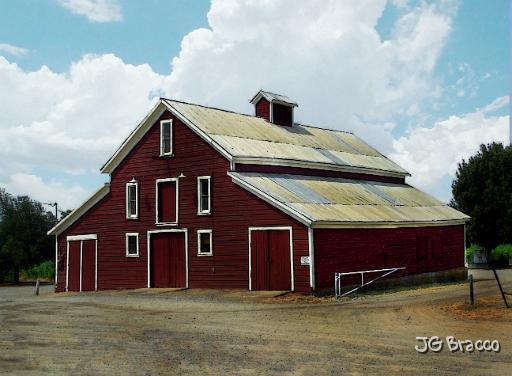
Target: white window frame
(136, 234)
(158, 181)
(199, 211)
(163, 123)
(199, 232)
(132, 183)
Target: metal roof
(321, 200)
(274, 98)
(246, 137)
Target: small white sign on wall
(304, 260)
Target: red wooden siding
(263, 109)
(88, 265)
(167, 201)
(168, 268)
(310, 172)
(282, 115)
(74, 267)
(270, 260)
(234, 210)
(421, 249)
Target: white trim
(81, 259)
(166, 180)
(171, 138)
(81, 210)
(281, 162)
(127, 235)
(67, 266)
(199, 211)
(282, 228)
(56, 259)
(82, 237)
(311, 252)
(132, 183)
(185, 231)
(271, 115)
(199, 232)
(264, 196)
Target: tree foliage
(483, 189)
(23, 240)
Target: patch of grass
(45, 270)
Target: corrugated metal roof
(272, 97)
(336, 200)
(244, 136)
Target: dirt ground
(172, 332)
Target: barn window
(132, 244)
(166, 138)
(203, 195)
(167, 198)
(132, 199)
(204, 243)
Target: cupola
(275, 108)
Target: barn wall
(346, 250)
(233, 211)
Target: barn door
(81, 263)
(168, 260)
(167, 191)
(270, 260)
(74, 266)
(422, 254)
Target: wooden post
(37, 286)
(471, 294)
(501, 289)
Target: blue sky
(426, 111)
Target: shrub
(45, 270)
(502, 254)
(469, 252)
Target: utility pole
(54, 204)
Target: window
(204, 243)
(167, 201)
(132, 198)
(166, 137)
(132, 244)
(203, 195)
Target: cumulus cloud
(95, 10)
(12, 50)
(432, 154)
(325, 54)
(51, 191)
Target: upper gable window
(203, 195)
(166, 140)
(132, 199)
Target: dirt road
(153, 332)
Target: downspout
(311, 248)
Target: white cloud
(432, 154)
(26, 184)
(325, 54)
(12, 50)
(95, 10)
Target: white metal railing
(337, 279)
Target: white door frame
(81, 239)
(272, 228)
(185, 231)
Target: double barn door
(168, 260)
(270, 260)
(81, 273)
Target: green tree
(483, 189)
(23, 239)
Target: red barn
(203, 197)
